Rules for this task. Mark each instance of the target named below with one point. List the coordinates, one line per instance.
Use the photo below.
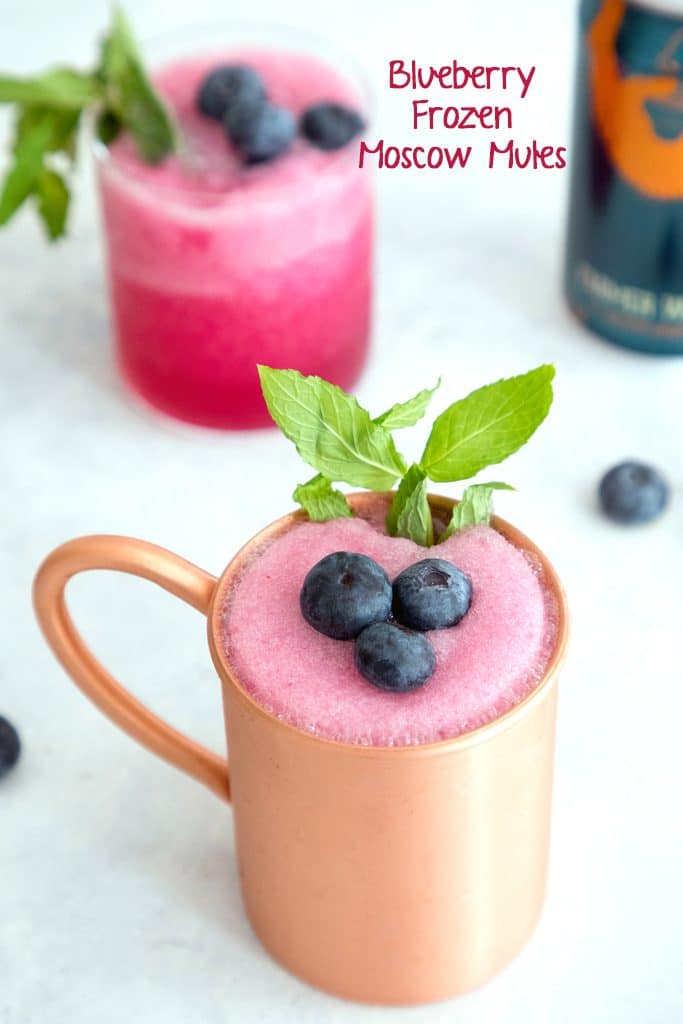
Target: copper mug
(389, 875)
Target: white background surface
(118, 890)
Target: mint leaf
(474, 507)
(49, 107)
(410, 515)
(108, 127)
(63, 125)
(28, 161)
(331, 431)
(60, 88)
(407, 414)
(496, 485)
(53, 202)
(40, 131)
(319, 499)
(131, 97)
(488, 425)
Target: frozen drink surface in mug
(485, 665)
(215, 265)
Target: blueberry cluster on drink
(348, 596)
(235, 95)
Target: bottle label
(637, 95)
(624, 271)
(636, 309)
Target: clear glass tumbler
(216, 268)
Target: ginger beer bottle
(624, 261)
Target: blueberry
(633, 492)
(10, 747)
(431, 594)
(345, 592)
(226, 85)
(330, 125)
(260, 130)
(393, 658)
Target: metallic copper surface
(391, 875)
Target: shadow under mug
(390, 875)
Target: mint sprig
(409, 514)
(320, 501)
(317, 496)
(407, 414)
(488, 425)
(330, 430)
(48, 112)
(57, 89)
(337, 436)
(130, 96)
(41, 132)
(475, 506)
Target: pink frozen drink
(485, 664)
(216, 263)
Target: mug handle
(172, 573)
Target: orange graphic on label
(639, 116)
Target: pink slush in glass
(485, 665)
(215, 266)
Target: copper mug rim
(442, 506)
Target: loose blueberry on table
(10, 746)
(633, 492)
